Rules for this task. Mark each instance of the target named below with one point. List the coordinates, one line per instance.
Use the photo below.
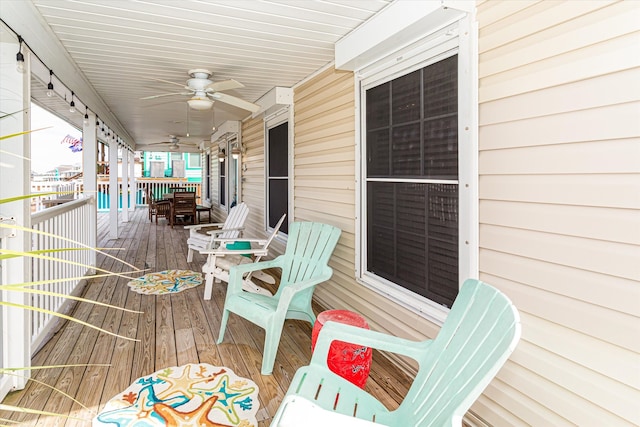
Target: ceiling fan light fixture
(198, 103)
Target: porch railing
(157, 188)
(71, 221)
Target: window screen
(278, 174)
(412, 173)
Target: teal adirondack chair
(303, 265)
(480, 332)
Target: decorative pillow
(239, 245)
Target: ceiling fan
(204, 91)
(174, 143)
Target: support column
(15, 168)
(132, 181)
(114, 190)
(125, 185)
(90, 180)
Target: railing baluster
(69, 220)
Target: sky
(47, 152)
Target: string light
(20, 57)
(72, 105)
(20, 67)
(50, 85)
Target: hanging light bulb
(20, 57)
(72, 105)
(50, 85)
(187, 121)
(86, 116)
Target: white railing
(71, 221)
(69, 190)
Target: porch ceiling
(121, 46)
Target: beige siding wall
(253, 180)
(559, 167)
(559, 204)
(325, 190)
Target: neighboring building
(172, 164)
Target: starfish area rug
(189, 395)
(166, 282)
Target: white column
(125, 185)
(15, 181)
(132, 181)
(90, 178)
(113, 189)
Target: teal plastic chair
(303, 265)
(480, 332)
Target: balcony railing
(66, 236)
(68, 216)
(73, 190)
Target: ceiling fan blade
(224, 85)
(167, 81)
(165, 94)
(236, 102)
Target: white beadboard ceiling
(121, 46)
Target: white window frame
(190, 156)
(461, 38)
(227, 144)
(277, 118)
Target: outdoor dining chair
(230, 252)
(480, 332)
(157, 208)
(183, 204)
(303, 266)
(202, 236)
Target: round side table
(352, 362)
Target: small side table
(352, 362)
(201, 208)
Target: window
(229, 174)
(413, 212)
(412, 172)
(207, 178)
(222, 178)
(195, 160)
(277, 174)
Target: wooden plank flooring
(170, 330)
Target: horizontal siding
(325, 190)
(559, 208)
(253, 186)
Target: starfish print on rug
(196, 418)
(192, 394)
(165, 282)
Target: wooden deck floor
(171, 330)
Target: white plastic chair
(226, 255)
(201, 240)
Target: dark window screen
(412, 136)
(278, 174)
(223, 182)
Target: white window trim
(432, 48)
(283, 115)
